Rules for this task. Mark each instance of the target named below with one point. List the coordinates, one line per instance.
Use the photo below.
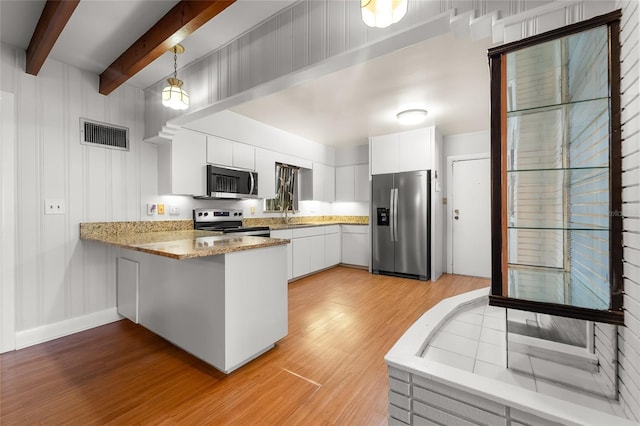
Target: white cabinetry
(266, 169)
(181, 164)
(313, 248)
(128, 272)
(319, 183)
(225, 152)
(355, 245)
(402, 152)
(352, 183)
(332, 246)
(307, 250)
(286, 234)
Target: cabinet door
(345, 183)
(266, 169)
(219, 151)
(332, 250)
(355, 249)
(286, 234)
(317, 178)
(127, 288)
(414, 149)
(300, 256)
(181, 169)
(244, 156)
(361, 182)
(384, 154)
(329, 193)
(316, 253)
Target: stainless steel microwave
(223, 183)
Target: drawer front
(311, 231)
(331, 229)
(285, 234)
(355, 229)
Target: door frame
(450, 161)
(7, 221)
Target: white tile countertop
(461, 343)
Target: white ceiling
(447, 76)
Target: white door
(471, 217)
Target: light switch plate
(54, 206)
(174, 210)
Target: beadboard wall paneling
(311, 32)
(629, 336)
(7, 220)
(57, 276)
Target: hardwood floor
(329, 369)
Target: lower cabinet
(315, 248)
(332, 246)
(355, 245)
(286, 234)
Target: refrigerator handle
(391, 215)
(395, 214)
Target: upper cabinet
(352, 183)
(318, 183)
(225, 152)
(181, 164)
(556, 172)
(402, 152)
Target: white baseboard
(56, 330)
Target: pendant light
(174, 96)
(382, 13)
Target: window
(286, 190)
(556, 172)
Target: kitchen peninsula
(222, 298)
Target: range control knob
(206, 213)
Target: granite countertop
(183, 244)
(278, 226)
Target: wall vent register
(104, 135)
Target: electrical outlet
(160, 208)
(174, 210)
(151, 209)
(252, 210)
(52, 206)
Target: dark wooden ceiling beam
(53, 19)
(171, 29)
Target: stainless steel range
(226, 221)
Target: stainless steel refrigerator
(401, 224)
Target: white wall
(58, 277)
(7, 221)
(629, 336)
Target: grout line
(302, 377)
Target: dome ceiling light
(412, 116)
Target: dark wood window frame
(499, 297)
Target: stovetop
(226, 221)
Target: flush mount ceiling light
(412, 116)
(174, 96)
(382, 13)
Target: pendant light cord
(175, 62)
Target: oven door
(258, 231)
